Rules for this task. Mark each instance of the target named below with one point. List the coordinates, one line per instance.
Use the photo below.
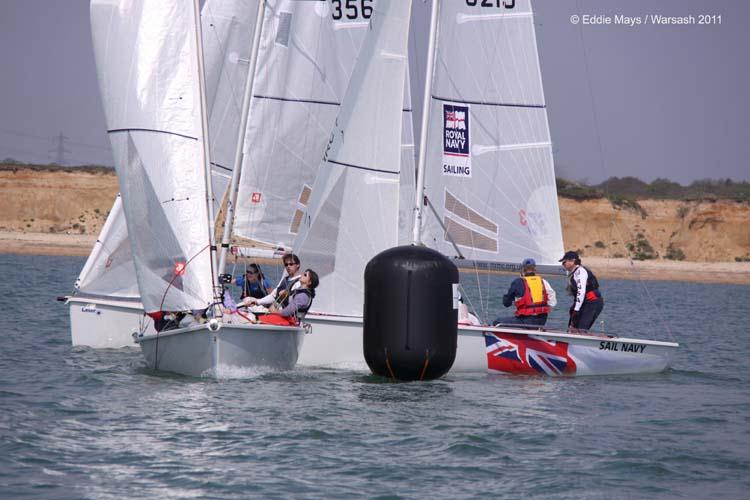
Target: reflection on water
(382, 390)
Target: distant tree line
(622, 189)
(13, 164)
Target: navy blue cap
(528, 262)
(570, 256)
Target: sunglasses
(287, 264)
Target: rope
(388, 364)
(426, 362)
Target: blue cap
(528, 262)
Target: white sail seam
(462, 18)
(393, 56)
(480, 149)
(350, 25)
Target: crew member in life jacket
(585, 288)
(300, 300)
(289, 282)
(532, 295)
(253, 283)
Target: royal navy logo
(456, 144)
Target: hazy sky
(646, 100)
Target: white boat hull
(105, 323)
(336, 342)
(231, 350)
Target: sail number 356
(352, 9)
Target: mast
(418, 203)
(239, 155)
(204, 146)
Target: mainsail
(489, 172)
(307, 53)
(228, 27)
(354, 208)
(146, 55)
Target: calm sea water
(82, 423)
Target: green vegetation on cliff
(625, 190)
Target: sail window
(466, 237)
(456, 207)
(296, 221)
(304, 196)
(284, 28)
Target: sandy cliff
(702, 231)
(39, 207)
(56, 201)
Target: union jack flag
(525, 354)
(455, 119)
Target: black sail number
(352, 9)
(508, 4)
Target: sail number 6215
(508, 4)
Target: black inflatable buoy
(410, 313)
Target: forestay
(109, 270)
(354, 208)
(307, 52)
(489, 172)
(146, 54)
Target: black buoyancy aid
(533, 287)
(286, 284)
(592, 285)
(310, 293)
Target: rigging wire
(613, 224)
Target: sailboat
(150, 67)
(105, 307)
(485, 195)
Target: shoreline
(51, 244)
(736, 273)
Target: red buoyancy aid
(278, 319)
(534, 300)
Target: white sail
(146, 54)
(354, 207)
(489, 172)
(228, 30)
(307, 52)
(109, 270)
(408, 168)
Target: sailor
(585, 288)
(289, 282)
(532, 295)
(300, 300)
(253, 283)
